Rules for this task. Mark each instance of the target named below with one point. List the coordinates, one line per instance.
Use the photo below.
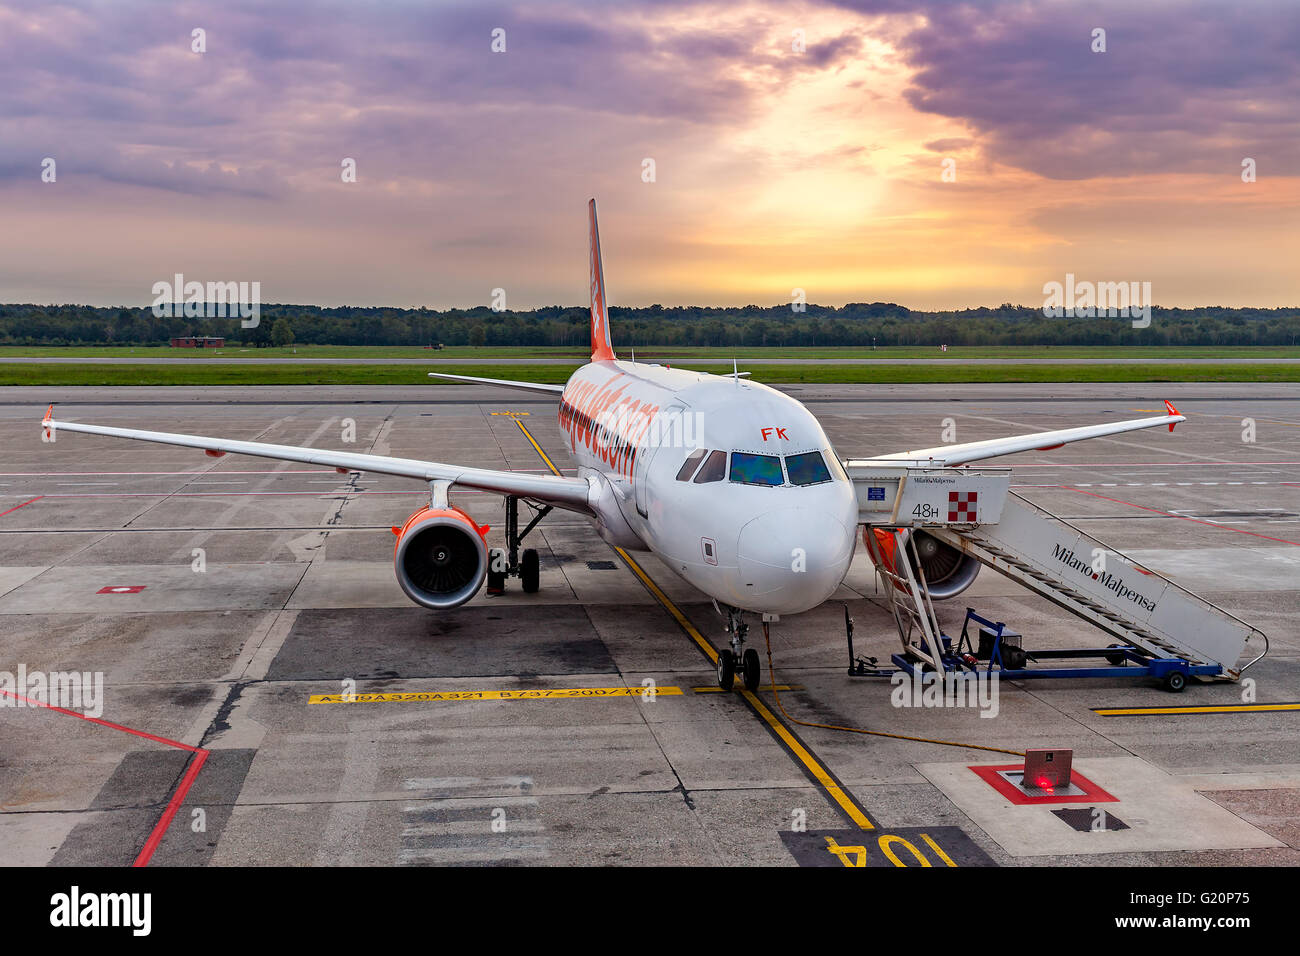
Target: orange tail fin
(601, 349)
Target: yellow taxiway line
(829, 785)
(544, 693)
(814, 767)
(1209, 709)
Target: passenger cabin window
(692, 462)
(756, 469)
(715, 468)
(807, 469)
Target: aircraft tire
(726, 669)
(751, 669)
(529, 572)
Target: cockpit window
(692, 462)
(715, 468)
(807, 469)
(756, 469)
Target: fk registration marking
(566, 693)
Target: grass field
(42, 374)
(720, 355)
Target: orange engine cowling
(441, 557)
(947, 571)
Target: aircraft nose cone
(792, 559)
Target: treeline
(855, 324)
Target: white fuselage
(743, 522)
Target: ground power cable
(771, 670)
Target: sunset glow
(774, 169)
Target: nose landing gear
(747, 659)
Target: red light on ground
(1020, 793)
(1044, 783)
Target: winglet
(49, 413)
(602, 350)
(1173, 411)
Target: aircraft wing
(504, 383)
(563, 492)
(1037, 441)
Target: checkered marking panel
(962, 506)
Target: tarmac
(218, 598)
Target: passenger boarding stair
(1144, 610)
(1104, 587)
(909, 602)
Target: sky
(938, 155)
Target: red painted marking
(122, 589)
(97, 720)
(1091, 792)
(23, 505)
(155, 837)
(1167, 514)
(146, 852)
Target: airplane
(732, 484)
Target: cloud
(285, 90)
(460, 149)
(1187, 87)
(950, 145)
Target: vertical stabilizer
(601, 348)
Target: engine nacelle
(441, 557)
(948, 572)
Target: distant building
(198, 342)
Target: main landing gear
(731, 660)
(508, 561)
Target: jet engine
(947, 571)
(441, 557)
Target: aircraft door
(665, 429)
